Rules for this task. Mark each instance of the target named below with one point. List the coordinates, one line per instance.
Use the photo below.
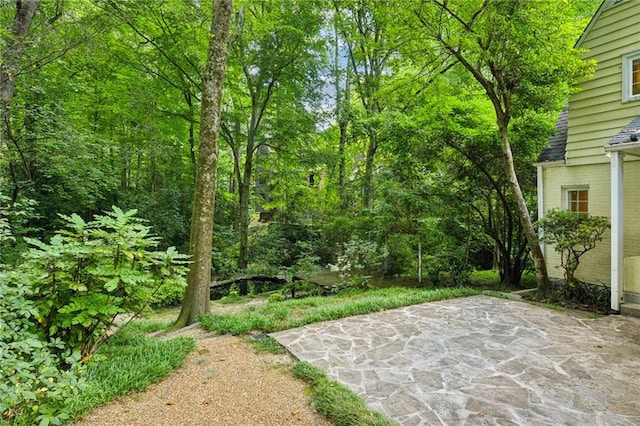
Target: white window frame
(627, 76)
(565, 195)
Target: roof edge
(603, 6)
(555, 163)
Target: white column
(617, 229)
(540, 205)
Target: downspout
(617, 230)
(540, 189)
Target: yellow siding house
(592, 161)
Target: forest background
(347, 126)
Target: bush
(169, 294)
(33, 387)
(276, 297)
(573, 234)
(357, 262)
(14, 220)
(91, 272)
(284, 245)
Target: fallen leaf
(169, 402)
(207, 401)
(480, 414)
(295, 412)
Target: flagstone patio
(482, 361)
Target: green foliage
(266, 345)
(573, 234)
(357, 262)
(276, 297)
(490, 279)
(336, 401)
(168, 209)
(14, 219)
(224, 251)
(90, 272)
(285, 246)
(233, 296)
(170, 293)
(298, 312)
(596, 297)
(33, 387)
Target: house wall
(597, 113)
(595, 265)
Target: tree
(15, 44)
(196, 299)
(364, 25)
(520, 61)
(273, 72)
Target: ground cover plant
(129, 362)
(293, 313)
(335, 401)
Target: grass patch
(497, 294)
(298, 312)
(266, 345)
(130, 362)
(553, 306)
(336, 402)
(233, 299)
(147, 326)
(490, 279)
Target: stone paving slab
(482, 361)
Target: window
(631, 77)
(577, 200)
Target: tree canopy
(411, 124)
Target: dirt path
(224, 382)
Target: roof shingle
(624, 135)
(556, 148)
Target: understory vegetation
(286, 314)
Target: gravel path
(224, 382)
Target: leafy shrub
(169, 294)
(284, 245)
(91, 272)
(233, 296)
(276, 297)
(357, 262)
(224, 251)
(573, 234)
(13, 227)
(33, 387)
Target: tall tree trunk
(10, 59)
(342, 116)
(196, 298)
(192, 133)
(245, 190)
(523, 211)
(234, 184)
(368, 171)
(243, 216)
(500, 96)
